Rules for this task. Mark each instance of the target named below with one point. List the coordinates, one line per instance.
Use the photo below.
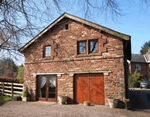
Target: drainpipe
(126, 68)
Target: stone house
(77, 58)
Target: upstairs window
(47, 51)
(82, 47)
(88, 46)
(93, 46)
(66, 26)
(138, 67)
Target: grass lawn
(5, 98)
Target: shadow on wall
(70, 100)
(140, 99)
(30, 91)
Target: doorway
(89, 87)
(47, 88)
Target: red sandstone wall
(65, 59)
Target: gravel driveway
(40, 109)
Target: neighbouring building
(77, 58)
(140, 63)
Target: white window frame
(47, 51)
(138, 67)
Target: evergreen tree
(133, 79)
(145, 48)
(8, 67)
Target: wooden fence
(11, 89)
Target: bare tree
(20, 19)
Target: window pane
(93, 46)
(48, 51)
(82, 47)
(138, 67)
(42, 86)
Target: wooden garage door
(89, 87)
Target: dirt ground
(40, 109)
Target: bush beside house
(133, 79)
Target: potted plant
(112, 102)
(86, 103)
(62, 99)
(26, 95)
(127, 104)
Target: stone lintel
(35, 74)
(104, 72)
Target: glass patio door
(47, 87)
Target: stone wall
(65, 59)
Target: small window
(93, 46)
(47, 51)
(138, 67)
(82, 47)
(66, 26)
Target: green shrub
(25, 92)
(133, 78)
(5, 98)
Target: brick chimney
(148, 55)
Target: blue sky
(134, 22)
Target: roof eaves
(137, 62)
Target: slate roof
(138, 58)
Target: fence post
(3, 88)
(12, 90)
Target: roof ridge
(78, 19)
